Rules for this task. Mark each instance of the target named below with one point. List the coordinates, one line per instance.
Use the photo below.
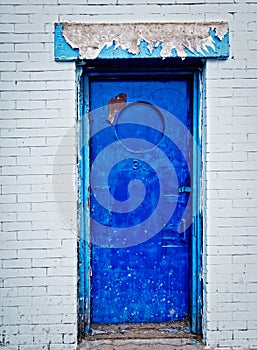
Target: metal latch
(184, 189)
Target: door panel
(139, 199)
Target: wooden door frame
(171, 67)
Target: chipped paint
(90, 39)
(127, 202)
(114, 105)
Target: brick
(40, 37)
(33, 179)
(8, 9)
(28, 8)
(25, 170)
(8, 198)
(32, 244)
(15, 19)
(18, 282)
(45, 95)
(31, 141)
(14, 57)
(7, 161)
(6, 27)
(32, 235)
(31, 85)
(15, 226)
(15, 189)
(30, 254)
(29, 47)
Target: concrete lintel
(83, 41)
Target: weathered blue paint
(196, 260)
(221, 50)
(120, 177)
(84, 251)
(83, 172)
(64, 52)
(148, 282)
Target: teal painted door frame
(158, 69)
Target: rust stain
(90, 39)
(114, 105)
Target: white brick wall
(230, 215)
(38, 107)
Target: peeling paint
(127, 187)
(90, 39)
(114, 105)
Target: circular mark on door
(140, 113)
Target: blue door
(140, 205)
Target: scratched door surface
(139, 199)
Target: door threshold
(175, 329)
(146, 344)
